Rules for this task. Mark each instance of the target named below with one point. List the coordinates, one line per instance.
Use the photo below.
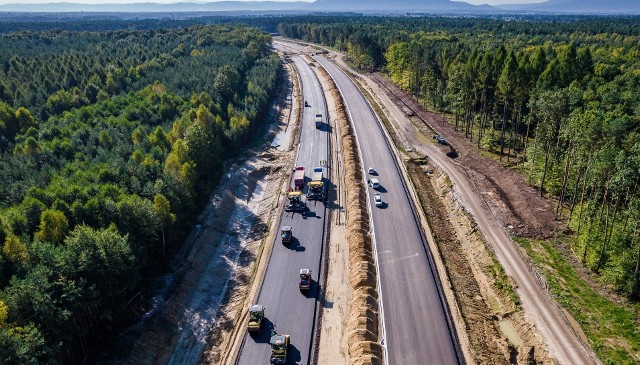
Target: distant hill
(579, 7)
(399, 6)
(156, 7)
(361, 6)
(334, 6)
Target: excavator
(256, 315)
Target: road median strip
(363, 324)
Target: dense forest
(100, 22)
(110, 144)
(556, 98)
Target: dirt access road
(495, 213)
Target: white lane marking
(400, 259)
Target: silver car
(377, 199)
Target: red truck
(298, 178)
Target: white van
(374, 183)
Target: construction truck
(256, 315)
(318, 120)
(298, 178)
(286, 234)
(295, 202)
(305, 279)
(316, 185)
(279, 348)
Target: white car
(371, 171)
(377, 199)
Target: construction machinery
(286, 233)
(305, 279)
(295, 202)
(298, 178)
(316, 185)
(318, 120)
(279, 348)
(256, 315)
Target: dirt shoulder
(546, 319)
(518, 206)
(491, 326)
(225, 337)
(495, 325)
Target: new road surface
(416, 325)
(415, 330)
(286, 308)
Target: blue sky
(175, 1)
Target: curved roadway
(416, 326)
(286, 308)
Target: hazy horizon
(91, 2)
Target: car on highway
(374, 183)
(377, 199)
(372, 171)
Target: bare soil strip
(332, 348)
(226, 336)
(495, 325)
(519, 206)
(363, 322)
(205, 296)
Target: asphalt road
(416, 326)
(544, 312)
(286, 308)
(560, 338)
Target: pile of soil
(363, 324)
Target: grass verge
(502, 283)
(612, 327)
